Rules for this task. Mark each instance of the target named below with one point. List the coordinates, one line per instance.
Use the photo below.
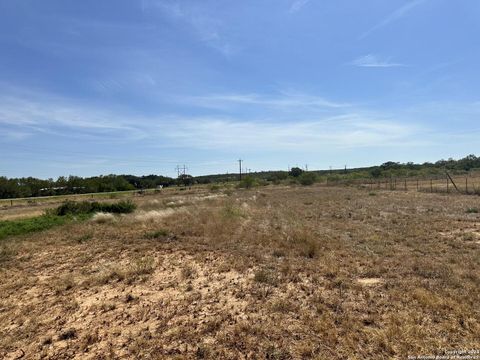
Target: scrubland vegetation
(67, 212)
(276, 272)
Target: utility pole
(240, 167)
(306, 167)
(184, 169)
(178, 170)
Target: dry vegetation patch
(285, 273)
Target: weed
(63, 283)
(141, 266)
(279, 253)
(232, 211)
(188, 272)
(214, 188)
(472, 211)
(7, 252)
(68, 334)
(84, 238)
(282, 306)
(307, 247)
(162, 233)
(265, 276)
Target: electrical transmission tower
(240, 168)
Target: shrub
(86, 207)
(247, 182)
(263, 182)
(307, 178)
(472, 211)
(277, 177)
(121, 207)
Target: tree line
(31, 187)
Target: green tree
(295, 172)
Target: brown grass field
(269, 273)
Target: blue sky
(95, 87)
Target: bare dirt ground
(268, 273)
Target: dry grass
(287, 273)
(103, 218)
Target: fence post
(11, 202)
(466, 185)
(431, 185)
(405, 184)
(417, 184)
(447, 186)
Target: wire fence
(459, 184)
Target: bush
(86, 207)
(121, 207)
(247, 182)
(307, 178)
(277, 177)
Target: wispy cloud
(43, 115)
(394, 16)
(285, 127)
(347, 131)
(372, 60)
(206, 28)
(27, 113)
(297, 5)
(285, 100)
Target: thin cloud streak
(371, 60)
(297, 5)
(394, 16)
(285, 100)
